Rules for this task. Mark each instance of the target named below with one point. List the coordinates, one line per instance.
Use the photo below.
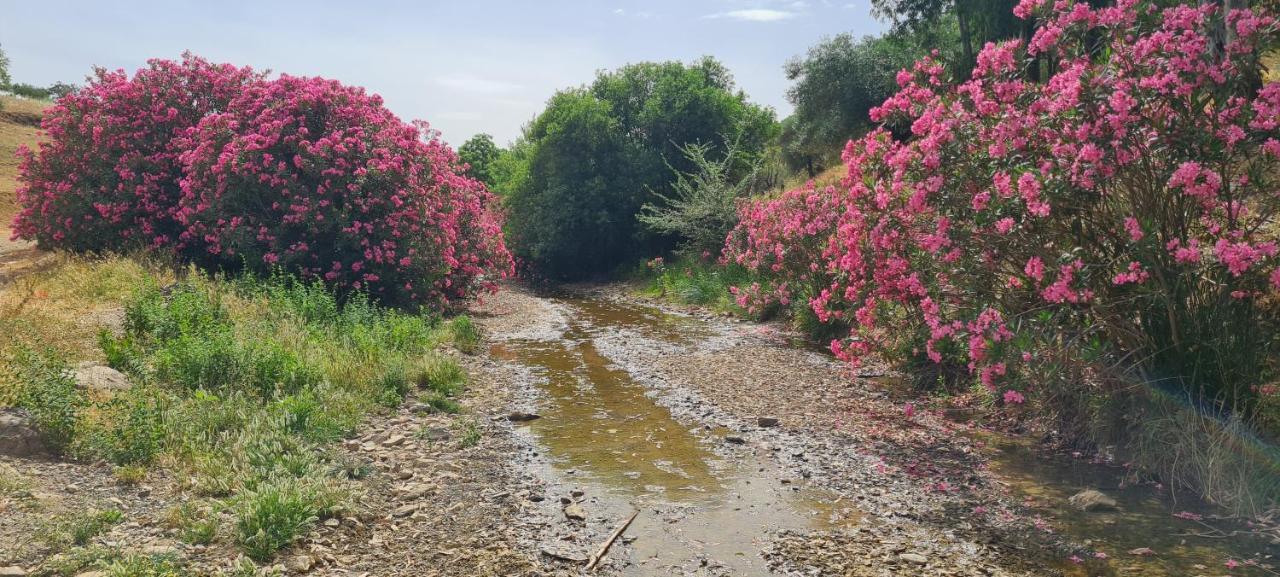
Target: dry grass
(63, 307)
(830, 176)
(19, 125)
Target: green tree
(5, 79)
(835, 85)
(976, 22)
(573, 210)
(480, 153)
(584, 168)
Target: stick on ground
(599, 554)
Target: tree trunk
(966, 41)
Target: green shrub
(49, 392)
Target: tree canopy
(597, 154)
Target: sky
(465, 67)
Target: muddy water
(600, 427)
(604, 432)
(1145, 518)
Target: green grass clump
(698, 282)
(276, 514)
(239, 385)
(76, 529)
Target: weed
(77, 529)
(50, 394)
(130, 474)
(271, 518)
(134, 565)
(469, 433)
(197, 523)
(464, 335)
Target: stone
(1142, 551)
(12, 571)
(519, 417)
(576, 493)
(299, 563)
(574, 511)
(96, 377)
(1092, 500)
(18, 434)
(393, 441)
(91, 574)
(766, 422)
(735, 439)
(561, 555)
(916, 558)
(404, 510)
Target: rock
(574, 511)
(331, 522)
(576, 493)
(404, 510)
(916, 558)
(393, 441)
(299, 563)
(1142, 552)
(766, 422)
(562, 555)
(95, 377)
(18, 435)
(519, 417)
(91, 574)
(12, 571)
(735, 439)
(1092, 500)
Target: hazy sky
(466, 67)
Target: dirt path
(19, 257)
(744, 454)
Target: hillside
(19, 125)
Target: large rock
(96, 377)
(1092, 500)
(18, 434)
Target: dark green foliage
(575, 183)
(836, 85)
(975, 22)
(480, 153)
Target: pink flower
(1012, 397)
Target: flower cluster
(1128, 200)
(298, 174)
(107, 172)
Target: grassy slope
(19, 125)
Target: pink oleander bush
(320, 179)
(106, 174)
(1119, 218)
(237, 172)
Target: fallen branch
(599, 554)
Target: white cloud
(475, 84)
(755, 15)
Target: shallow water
(599, 424)
(1145, 518)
